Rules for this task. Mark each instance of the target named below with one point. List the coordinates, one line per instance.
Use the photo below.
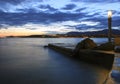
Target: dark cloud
(84, 26)
(1, 11)
(11, 1)
(16, 1)
(42, 18)
(30, 10)
(45, 6)
(48, 7)
(47, 14)
(102, 20)
(116, 21)
(69, 7)
(80, 9)
(95, 1)
(31, 16)
(14, 19)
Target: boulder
(86, 44)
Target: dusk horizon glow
(36, 17)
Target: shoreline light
(109, 26)
(109, 13)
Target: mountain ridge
(102, 32)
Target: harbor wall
(99, 58)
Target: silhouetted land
(102, 33)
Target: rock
(84, 44)
(106, 46)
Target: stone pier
(98, 57)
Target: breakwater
(100, 58)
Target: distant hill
(103, 32)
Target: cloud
(96, 1)
(69, 7)
(32, 28)
(11, 1)
(83, 25)
(16, 6)
(27, 29)
(18, 1)
(42, 18)
(80, 9)
(31, 10)
(36, 9)
(60, 17)
(48, 7)
(79, 21)
(116, 21)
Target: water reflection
(25, 61)
(68, 69)
(115, 74)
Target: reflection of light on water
(115, 73)
(114, 76)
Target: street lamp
(109, 25)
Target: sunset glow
(19, 32)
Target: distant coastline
(99, 34)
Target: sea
(27, 61)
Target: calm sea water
(26, 61)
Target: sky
(28, 17)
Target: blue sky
(26, 17)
